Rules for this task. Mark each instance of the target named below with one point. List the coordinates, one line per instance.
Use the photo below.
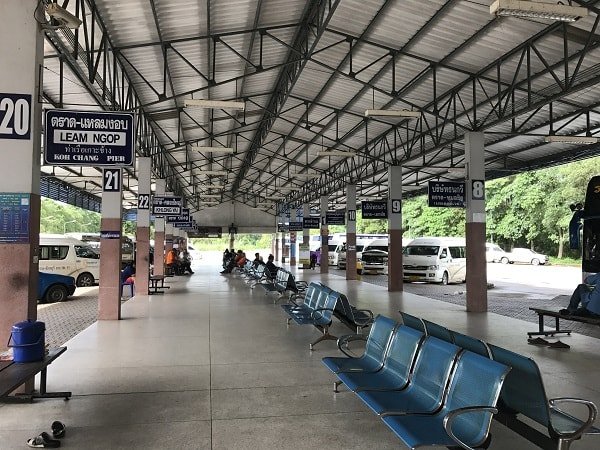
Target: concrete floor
(211, 364)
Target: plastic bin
(28, 341)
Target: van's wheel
(85, 280)
(504, 260)
(445, 278)
(56, 293)
(359, 271)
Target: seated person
(185, 262)
(588, 296)
(271, 267)
(257, 260)
(234, 262)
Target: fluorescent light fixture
(213, 149)
(538, 10)
(210, 196)
(392, 113)
(277, 197)
(213, 172)
(62, 16)
(213, 186)
(209, 202)
(214, 104)
(306, 175)
(582, 140)
(342, 153)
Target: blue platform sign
(446, 194)
(81, 138)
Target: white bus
(66, 255)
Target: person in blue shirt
(585, 300)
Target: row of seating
(523, 394)
(282, 282)
(426, 390)
(422, 367)
(319, 305)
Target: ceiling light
(212, 172)
(537, 10)
(392, 113)
(277, 197)
(208, 202)
(214, 149)
(209, 196)
(214, 104)
(342, 153)
(213, 186)
(306, 175)
(585, 140)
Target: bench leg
(336, 385)
(325, 337)
(28, 397)
(542, 332)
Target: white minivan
(66, 255)
(435, 260)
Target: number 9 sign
(477, 190)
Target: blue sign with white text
(81, 138)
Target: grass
(565, 261)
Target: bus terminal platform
(211, 364)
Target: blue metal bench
(523, 394)
(396, 368)
(438, 331)
(426, 386)
(372, 359)
(412, 321)
(470, 343)
(352, 317)
(321, 315)
(278, 284)
(465, 417)
(309, 300)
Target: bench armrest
(452, 415)
(346, 339)
(319, 311)
(368, 320)
(592, 414)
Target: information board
(446, 194)
(335, 218)
(183, 217)
(282, 228)
(110, 234)
(14, 218)
(374, 209)
(312, 223)
(166, 206)
(296, 226)
(83, 138)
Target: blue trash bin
(28, 341)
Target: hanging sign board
(374, 209)
(82, 138)
(166, 206)
(335, 218)
(313, 223)
(282, 228)
(296, 226)
(183, 217)
(446, 194)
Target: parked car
(493, 253)
(53, 287)
(526, 256)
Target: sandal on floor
(58, 429)
(537, 341)
(43, 441)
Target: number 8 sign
(477, 190)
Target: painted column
(351, 232)
(293, 237)
(475, 227)
(159, 235)
(306, 231)
(169, 231)
(109, 295)
(324, 236)
(395, 272)
(276, 237)
(21, 62)
(142, 235)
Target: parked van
(435, 260)
(93, 240)
(374, 257)
(66, 255)
(361, 241)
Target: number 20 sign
(15, 116)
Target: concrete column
(351, 232)
(169, 231)
(324, 236)
(475, 227)
(305, 231)
(395, 282)
(109, 295)
(20, 64)
(142, 235)
(277, 218)
(159, 235)
(231, 240)
(292, 238)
